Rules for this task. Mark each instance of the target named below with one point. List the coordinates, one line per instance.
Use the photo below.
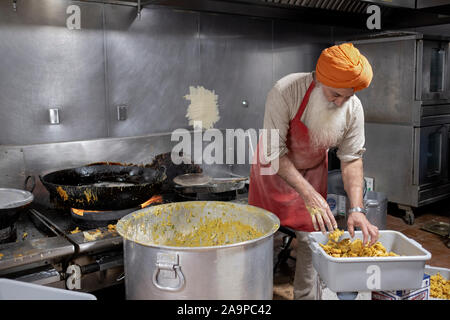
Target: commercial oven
(407, 117)
(433, 83)
(431, 163)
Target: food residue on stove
(76, 230)
(24, 235)
(347, 248)
(111, 227)
(1, 255)
(62, 193)
(439, 287)
(92, 235)
(90, 196)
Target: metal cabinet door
(432, 162)
(390, 97)
(433, 71)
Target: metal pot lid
(212, 187)
(192, 179)
(14, 198)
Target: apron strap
(305, 101)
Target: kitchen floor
(435, 244)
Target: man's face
(336, 95)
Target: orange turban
(344, 66)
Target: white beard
(325, 121)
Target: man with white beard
(313, 112)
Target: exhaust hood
(348, 13)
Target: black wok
(103, 186)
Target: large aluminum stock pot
(242, 270)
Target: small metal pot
(235, 271)
(12, 203)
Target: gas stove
(8, 234)
(73, 249)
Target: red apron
(272, 193)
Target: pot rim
(27, 198)
(269, 214)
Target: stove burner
(8, 234)
(90, 219)
(94, 219)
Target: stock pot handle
(168, 262)
(167, 288)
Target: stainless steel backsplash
(146, 64)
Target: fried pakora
(355, 248)
(439, 287)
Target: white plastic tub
(18, 290)
(371, 273)
(431, 271)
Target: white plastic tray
(18, 290)
(371, 273)
(445, 273)
(434, 270)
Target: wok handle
(33, 181)
(165, 169)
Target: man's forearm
(293, 177)
(352, 176)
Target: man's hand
(358, 219)
(320, 212)
(318, 208)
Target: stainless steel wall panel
(45, 65)
(147, 65)
(151, 63)
(12, 167)
(236, 62)
(390, 96)
(296, 47)
(389, 161)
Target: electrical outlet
(122, 112)
(369, 183)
